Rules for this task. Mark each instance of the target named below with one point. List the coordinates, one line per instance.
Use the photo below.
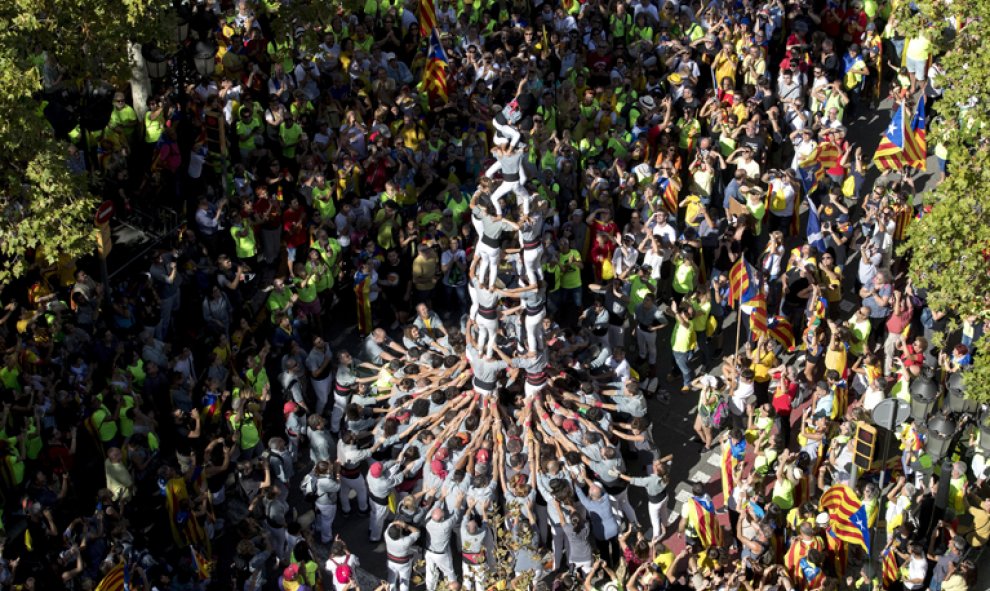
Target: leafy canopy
(950, 245)
(42, 205)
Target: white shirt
(665, 231)
(654, 260)
(872, 398)
(917, 569)
(334, 561)
(740, 398)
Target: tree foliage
(950, 245)
(42, 205)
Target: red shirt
(897, 322)
(911, 357)
(783, 397)
(294, 235)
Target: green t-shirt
(701, 312)
(323, 202)
(245, 246)
(638, 290)
(11, 378)
(290, 138)
(104, 424)
(247, 429)
(552, 273)
(153, 128)
(682, 338)
(306, 288)
(123, 119)
(278, 301)
(258, 380)
(684, 275)
(571, 277)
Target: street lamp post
(924, 393)
(156, 61)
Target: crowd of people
(435, 324)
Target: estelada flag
(890, 152)
(742, 287)
(706, 523)
(669, 190)
(781, 331)
(435, 72)
(847, 515)
(915, 139)
(758, 315)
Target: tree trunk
(140, 83)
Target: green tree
(46, 45)
(950, 245)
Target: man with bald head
(439, 530)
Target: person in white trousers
(489, 249)
(440, 528)
(510, 162)
(531, 239)
(383, 477)
(324, 483)
(474, 557)
(351, 460)
(400, 541)
(655, 485)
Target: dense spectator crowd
(442, 323)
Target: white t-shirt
(665, 231)
(917, 569)
(871, 398)
(741, 397)
(334, 561)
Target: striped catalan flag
(825, 154)
(840, 401)
(426, 14)
(203, 566)
(706, 523)
(890, 152)
(847, 515)
(739, 280)
(728, 466)
(798, 550)
(669, 191)
(838, 551)
(781, 331)
(435, 72)
(915, 139)
(891, 572)
(758, 316)
(117, 578)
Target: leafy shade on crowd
(447, 312)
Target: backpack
(721, 415)
(308, 487)
(342, 573)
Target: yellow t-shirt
(918, 48)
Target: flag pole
(739, 316)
